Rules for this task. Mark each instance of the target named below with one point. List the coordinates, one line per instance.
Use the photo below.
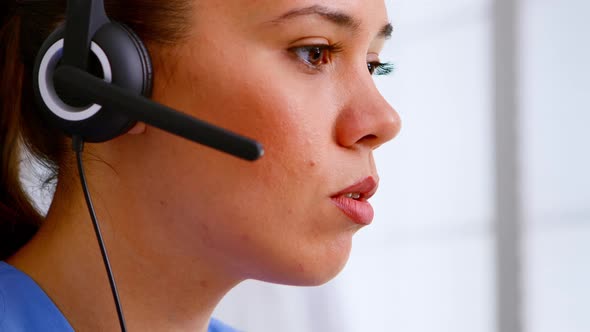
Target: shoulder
(217, 326)
(24, 306)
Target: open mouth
(353, 201)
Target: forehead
(368, 12)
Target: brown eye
(314, 56)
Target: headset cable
(78, 147)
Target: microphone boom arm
(139, 108)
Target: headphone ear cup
(129, 58)
(131, 69)
(128, 64)
(144, 59)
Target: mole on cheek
(301, 268)
(205, 235)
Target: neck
(161, 288)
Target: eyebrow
(386, 31)
(336, 17)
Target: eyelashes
(317, 56)
(381, 69)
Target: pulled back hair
(24, 25)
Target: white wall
(555, 67)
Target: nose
(366, 119)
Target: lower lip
(361, 212)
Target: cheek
(290, 116)
(268, 216)
(256, 95)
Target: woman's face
(293, 75)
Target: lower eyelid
(307, 68)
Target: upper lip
(367, 187)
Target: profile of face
(294, 75)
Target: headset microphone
(90, 109)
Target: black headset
(92, 78)
(99, 109)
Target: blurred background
(483, 215)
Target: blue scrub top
(24, 306)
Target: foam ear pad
(130, 68)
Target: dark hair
(155, 21)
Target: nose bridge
(367, 118)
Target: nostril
(368, 138)
(371, 141)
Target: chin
(305, 277)
(319, 277)
(322, 268)
(313, 268)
